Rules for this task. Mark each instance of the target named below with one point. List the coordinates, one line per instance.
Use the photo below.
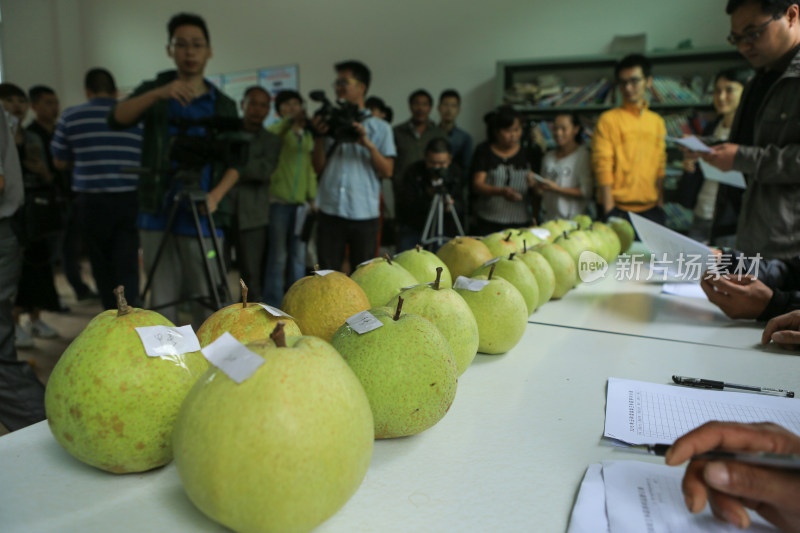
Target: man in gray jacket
(765, 136)
(21, 393)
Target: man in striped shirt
(106, 202)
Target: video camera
(339, 117)
(224, 142)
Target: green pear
(463, 255)
(449, 312)
(422, 264)
(381, 278)
(541, 270)
(524, 236)
(518, 274)
(406, 368)
(245, 321)
(583, 221)
(575, 243)
(624, 231)
(500, 244)
(499, 310)
(563, 266)
(555, 229)
(111, 405)
(284, 449)
(600, 242)
(614, 246)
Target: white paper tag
(324, 272)
(573, 224)
(417, 285)
(368, 261)
(275, 311)
(232, 357)
(474, 285)
(363, 322)
(541, 233)
(490, 262)
(164, 340)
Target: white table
(509, 456)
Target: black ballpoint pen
(720, 385)
(775, 460)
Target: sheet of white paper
(679, 256)
(638, 412)
(687, 290)
(474, 285)
(589, 512)
(647, 497)
(232, 357)
(691, 142)
(159, 341)
(542, 233)
(364, 322)
(734, 178)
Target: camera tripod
(440, 203)
(219, 293)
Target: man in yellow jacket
(628, 148)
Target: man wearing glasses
(349, 173)
(177, 94)
(765, 135)
(628, 148)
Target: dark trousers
(656, 214)
(70, 249)
(334, 234)
(21, 392)
(251, 244)
(107, 222)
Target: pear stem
(419, 248)
(388, 259)
(244, 293)
(511, 255)
(316, 267)
(278, 336)
(438, 278)
(508, 237)
(122, 304)
(491, 270)
(396, 316)
(566, 235)
(524, 246)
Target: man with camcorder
(179, 96)
(350, 163)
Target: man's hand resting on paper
(737, 296)
(730, 488)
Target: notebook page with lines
(638, 412)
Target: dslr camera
(224, 142)
(339, 117)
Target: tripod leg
(167, 230)
(426, 232)
(225, 291)
(209, 275)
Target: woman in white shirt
(566, 186)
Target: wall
(433, 44)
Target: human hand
(320, 126)
(721, 156)
(212, 201)
(363, 140)
(783, 330)
(179, 90)
(548, 185)
(511, 195)
(737, 296)
(730, 487)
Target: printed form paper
(687, 290)
(638, 412)
(734, 178)
(675, 253)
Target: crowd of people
(365, 183)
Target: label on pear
(490, 262)
(417, 285)
(573, 224)
(368, 261)
(474, 285)
(274, 311)
(363, 322)
(160, 341)
(541, 233)
(324, 272)
(232, 357)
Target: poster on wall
(273, 79)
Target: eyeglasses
(751, 36)
(631, 81)
(344, 82)
(183, 45)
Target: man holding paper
(628, 148)
(765, 135)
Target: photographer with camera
(182, 94)
(420, 184)
(353, 151)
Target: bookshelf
(540, 89)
